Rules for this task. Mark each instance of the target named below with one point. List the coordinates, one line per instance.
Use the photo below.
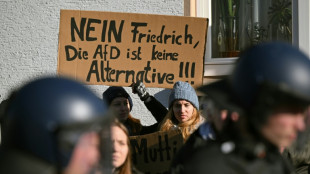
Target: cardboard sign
(115, 49)
(153, 153)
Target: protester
(183, 110)
(270, 87)
(52, 125)
(121, 154)
(121, 103)
(219, 115)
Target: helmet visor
(85, 146)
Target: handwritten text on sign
(119, 48)
(153, 153)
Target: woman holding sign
(121, 103)
(183, 110)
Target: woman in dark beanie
(121, 103)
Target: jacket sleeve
(157, 109)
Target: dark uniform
(214, 158)
(266, 77)
(197, 139)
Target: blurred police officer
(51, 126)
(269, 89)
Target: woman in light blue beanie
(183, 110)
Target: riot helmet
(47, 116)
(270, 73)
(266, 76)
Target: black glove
(139, 88)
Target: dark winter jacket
(13, 161)
(134, 170)
(159, 112)
(231, 158)
(196, 140)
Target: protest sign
(115, 49)
(153, 153)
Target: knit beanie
(183, 90)
(114, 91)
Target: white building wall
(29, 40)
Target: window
(256, 21)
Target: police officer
(51, 126)
(269, 88)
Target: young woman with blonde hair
(183, 110)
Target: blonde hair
(125, 168)
(186, 128)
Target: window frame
(223, 66)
